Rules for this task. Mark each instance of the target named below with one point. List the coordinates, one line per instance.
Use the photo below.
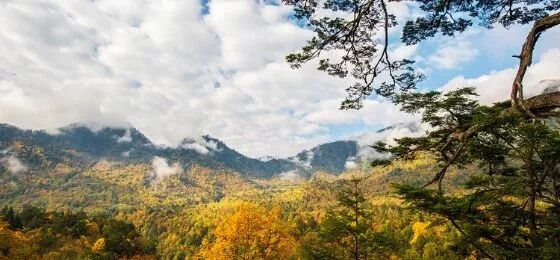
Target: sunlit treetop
(360, 36)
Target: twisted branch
(526, 59)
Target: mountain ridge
(83, 145)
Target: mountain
(80, 145)
(329, 157)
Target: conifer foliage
(511, 202)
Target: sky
(185, 68)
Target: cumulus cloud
(173, 71)
(163, 67)
(449, 57)
(161, 169)
(495, 86)
(13, 164)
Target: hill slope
(80, 145)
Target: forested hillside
(83, 145)
(67, 210)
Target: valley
(180, 202)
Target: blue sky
(185, 68)
(480, 63)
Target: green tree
(122, 238)
(347, 232)
(32, 217)
(363, 39)
(10, 216)
(68, 223)
(512, 200)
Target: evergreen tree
(362, 37)
(10, 216)
(32, 217)
(512, 201)
(346, 232)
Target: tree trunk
(531, 191)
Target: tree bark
(532, 196)
(526, 59)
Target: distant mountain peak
(329, 157)
(202, 145)
(86, 144)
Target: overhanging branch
(526, 59)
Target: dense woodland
(111, 210)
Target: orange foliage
(251, 233)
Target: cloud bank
(178, 68)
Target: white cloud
(403, 52)
(306, 163)
(196, 147)
(350, 164)
(164, 68)
(172, 71)
(292, 175)
(253, 35)
(13, 164)
(126, 138)
(495, 86)
(200, 145)
(365, 140)
(451, 56)
(126, 154)
(161, 169)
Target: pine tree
(512, 201)
(511, 206)
(347, 232)
(11, 217)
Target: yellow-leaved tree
(252, 232)
(14, 244)
(99, 245)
